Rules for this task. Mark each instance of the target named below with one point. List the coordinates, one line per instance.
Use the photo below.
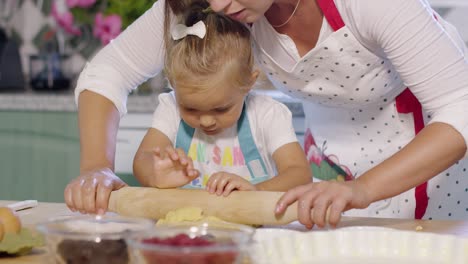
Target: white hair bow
(180, 31)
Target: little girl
(210, 132)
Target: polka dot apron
(359, 113)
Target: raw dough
(187, 215)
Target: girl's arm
(144, 157)
(292, 166)
(158, 164)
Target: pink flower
(308, 140)
(65, 20)
(80, 3)
(315, 155)
(107, 28)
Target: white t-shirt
(271, 127)
(442, 80)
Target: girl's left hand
(223, 183)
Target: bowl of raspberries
(197, 243)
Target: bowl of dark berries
(91, 239)
(199, 243)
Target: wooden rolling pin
(244, 207)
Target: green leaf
(21, 243)
(324, 172)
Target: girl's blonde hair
(224, 54)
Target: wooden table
(30, 217)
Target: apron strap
(407, 103)
(253, 160)
(331, 13)
(184, 136)
(252, 157)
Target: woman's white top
(348, 84)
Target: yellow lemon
(11, 221)
(2, 231)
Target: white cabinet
(299, 127)
(132, 129)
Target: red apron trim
(331, 13)
(407, 103)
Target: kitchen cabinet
(39, 154)
(133, 127)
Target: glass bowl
(196, 243)
(91, 239)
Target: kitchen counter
(44, 211)
(65, 102)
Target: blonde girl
(211, 132)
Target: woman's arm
(98, 123)
(101, 93)
(293, 169)
(136, 55)
(433, 150)
(423, 49)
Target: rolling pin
(243, 207)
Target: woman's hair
(225, 53)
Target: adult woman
(351, 66)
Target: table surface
(44, 211)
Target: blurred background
(44, 44)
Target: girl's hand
(172, 168)
(90, 192)
(223, 183)
(323, 202)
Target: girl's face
(211, 110)
(246, 11)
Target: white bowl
(358, 246)
(199, 242)
(91, 239)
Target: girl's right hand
(90, 192)
(172, 168)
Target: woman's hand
(90, 192)
(172, 168)
(223, 183)
(323, 202)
